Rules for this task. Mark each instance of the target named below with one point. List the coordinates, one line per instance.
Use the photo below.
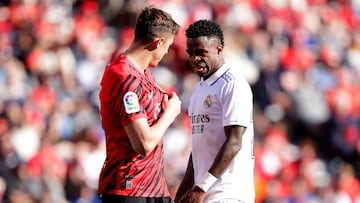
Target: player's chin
(152, 65)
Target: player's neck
(138, 57)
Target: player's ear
(219, 49)
(158, 41)
(154, 44)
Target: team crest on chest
(207, 102)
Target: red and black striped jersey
(127, 94)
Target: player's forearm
(152, 137)
(144, 138)
(144, 147)
(160, 127)
(156, 134)
(223, 159)
(187, 181)
(185, 185)
(228, 151)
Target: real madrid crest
(207, 102)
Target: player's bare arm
(187, 193)
(227, 152)
(144, 138)
(187, 182)
(229, 149)
(194, 195)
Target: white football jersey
(224, 99)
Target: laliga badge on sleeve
(131, 102)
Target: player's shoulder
(234, 75)
(120, 66)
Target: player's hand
(172, 105)
(194, 195)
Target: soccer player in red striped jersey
(135, 113)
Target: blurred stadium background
(301, 57)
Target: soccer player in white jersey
(221, 164)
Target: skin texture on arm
(143, 137)
(187, 181)
(227, 152)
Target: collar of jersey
(146, 71)
(214, 77)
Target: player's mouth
(200, 70)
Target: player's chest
(205, 100)
(150, 91)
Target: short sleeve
(237, 102)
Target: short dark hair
(153, 22)
(205, 28)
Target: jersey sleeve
(237, 103)
(124, 93)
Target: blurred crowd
(301, 57)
